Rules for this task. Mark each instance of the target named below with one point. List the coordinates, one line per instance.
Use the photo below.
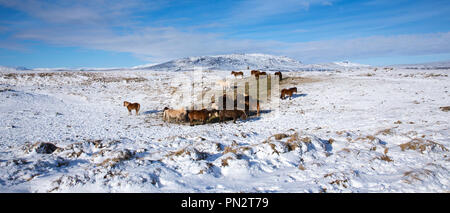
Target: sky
(114, 33)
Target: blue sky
(100, 33)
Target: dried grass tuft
(280, 136)
(385, 158)
(416, 175)
(301, 167)
(225, 161)
(421, 145)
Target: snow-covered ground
(349, 130)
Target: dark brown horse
(259, 74)
(232, 114)
(254, 72)
(293, 89)
(279, 75)
(201, 115)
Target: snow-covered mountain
(348, 64)
(230, 62)
(244, 61)
(334, 66)
(222, 62)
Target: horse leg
(257, 109)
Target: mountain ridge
(229, 62)
(241, 62)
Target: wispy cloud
(159, 44)
(300, 31)
(89, 13)
(257, 10)
(376, 20)
(360, 48)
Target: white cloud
(91, 25)
(260, 9)
(84, 12)
(414, 44)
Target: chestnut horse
(236, 74)
(254, 72)
(289, 92)
(201, 115)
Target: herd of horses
(203, 115)
(183, 115)
(256, 73)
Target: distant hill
(221, 62)
(230, 62)
(4, 68)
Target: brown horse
(259, 74)
(236, 74)
(131, 106)
(201, 115)
(232, 114)
(279, 75)
(294, 89)
(254, 72)
(289, 92)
